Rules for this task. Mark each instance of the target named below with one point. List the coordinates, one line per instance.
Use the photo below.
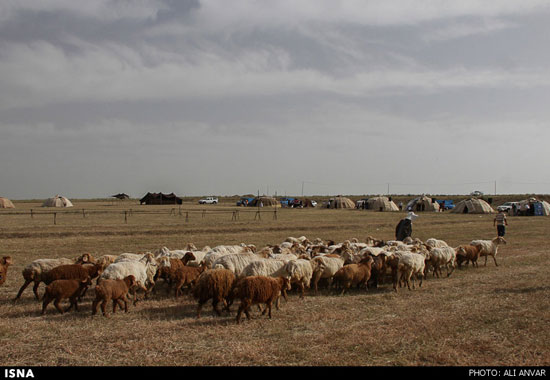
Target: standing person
(404, 227)
(400, 206)
(501, 223)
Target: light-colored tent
(422, 203)
(536, 207)
(472, 206)
(340, 202)
(265, 201)
(6, 203)
(381, 204)
(57, 201)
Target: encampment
(340, 202)
(381, 204)
(6, 203)
(472, 206)
(57, 201)
(534, 207)
(423, 203)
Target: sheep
(106, 260)
(169, 265)
(325, 267)
(444, 256)
(235, 262)
(5, 262)
(410, 265)
(33, 273)
(467, 253)
(222, 250)
(489, 247)
(300, 272)
(259, 289)
(186, 276)
(265, 267)
(143, 257)
(144, 273)
(378, 269)
(116, 290)
(215, 284)
(62, 289)
(85, 258)
(71, 272)
(354, 274)
(436, 243)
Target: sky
(313, 97)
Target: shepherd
(404, 227)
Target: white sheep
(265, 267)
(301, 272)
(410, 265)
(436, 243)
(441, 257)
(489, 247)
(222, 250)
(144, 273)
(325, 267)
(235, 262)
(34, 271)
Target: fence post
(32, 215)
(203, 213)
(83, 213)
(54, 218)
(187, 216)
(275, 214)
(125, 216)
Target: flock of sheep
(254, 276)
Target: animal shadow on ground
(523, 290)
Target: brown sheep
(378, 270)
(354, 274)
(467, 253)
(215, 284)
(71, 272)
(5, 262)
(168, 271)
(259, 289)
(86, 258)
(116, 290)
(187, 276)
(62, 289)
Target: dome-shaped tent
(57, 201)
(381, 204)
(6, 203)
(423, 203)
(264, 201)
(340, 202)
(533, 206)
(472, 206)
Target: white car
(208, 200)
(507, 206)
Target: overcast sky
(202, 97)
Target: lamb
(62, 289)
(378, 269)
(116, 290)
(215, 284)
(187, 276)
(325, 267)
(144, 273)
(169, 265)
(235, 262)
(467, 253)
(354, 274)
(33, 273)
(300, 272)
(444, 256)
(489, 247)
(5, 262)
(259, 289)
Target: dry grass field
(476, 317)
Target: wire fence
(126, 214)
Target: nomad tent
(160, 199)
(534, 207)
(6, 203)
(472, 206)
(121, 196)
(57, 201)
(381, 204)
(423, 203)
(264, 201)
(340, 202)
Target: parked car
(286, 202)
(507, 206)
(244, 201)
(446, 204)
(208, 200)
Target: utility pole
(302, 188)
(495, 187)
(388, 189)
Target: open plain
(485, 316)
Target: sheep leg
(103, 307)
(215, 302)
(485, 260)
(56, 304)
(72, 303)
(94, 306)
(199, 307)
(269, 306)
(495, 259)
(27, 282)
(35, 290)
(302, 289)
(243, 307)
(45, 303)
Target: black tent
(160, 199)
(121, 196)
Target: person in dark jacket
(404, 227)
